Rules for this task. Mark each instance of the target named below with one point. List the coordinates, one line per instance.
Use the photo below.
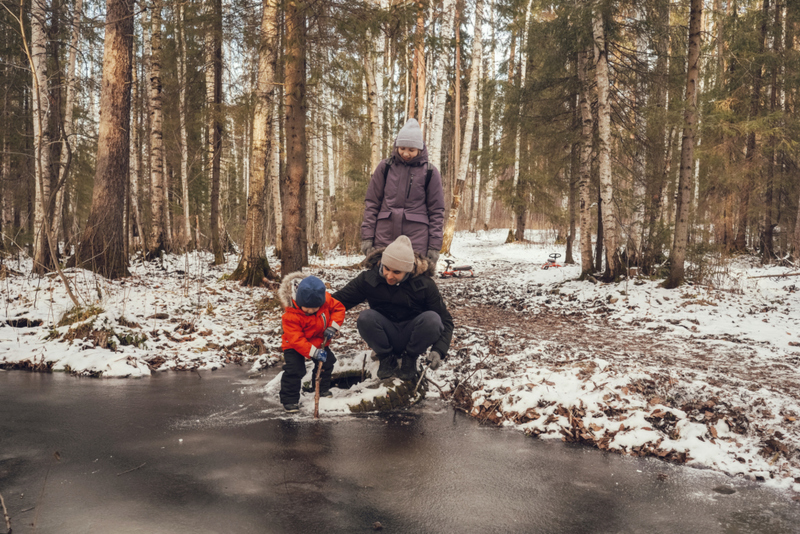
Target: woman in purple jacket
(405, 197)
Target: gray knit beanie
(399, 256)
(410, 135)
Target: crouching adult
(406, 312)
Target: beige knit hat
(399, 256)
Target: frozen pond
(180, 453)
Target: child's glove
(320, 355)
(330, 332)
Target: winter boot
(387, 367)
(408, 367)
(291, 408)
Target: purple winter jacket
(402, 205)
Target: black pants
(294, 369)
(386, 337)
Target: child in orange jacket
(310, 316)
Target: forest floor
(705, 375)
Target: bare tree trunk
(135, 160)
(494, 129)
(768, 249)
(213, 55)
(327, 105)
(585, 180)
(102, 248)
(374, 112)
(42, 262)
(604, 127)
(740, 243)
(658, 134)
(520, 204)
(253, 266)
(476, 190)
(275, 169)
(472, 107)
(294, 252)
(440, 99)
(70, 82)
(159, 238)
(634, 243)
(573, 175)
(317, 173)
(187, 222)
(678, 254)
(419, 66)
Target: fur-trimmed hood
(288, 289)
(421, 265)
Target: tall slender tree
(102, 248)
(159, 237)
(678, 255)
(472, 108)
(253, 266)
(294, 241)
(214, 122)
(613, 264)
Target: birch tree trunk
(328, 105)
(613, 265)
(253, 268)
(42, 262)
(678, 254)
(373, 111)
(213, 60)
(476, 192)
(187, 222)
(135, 159)
(275, 167)
(419, 65)
(639, 161)
(294, 250)
(102, 248)
(463, 165)
(585, 180)
(494, 129)
(159, 238)
(318, 171)
(442, 85)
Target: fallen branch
(774, 275)
(5, 514)
(134, 469)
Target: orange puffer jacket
(304, 333)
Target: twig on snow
(134, 469)
(5, 514)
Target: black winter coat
(400, 302)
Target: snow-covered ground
(705, 375)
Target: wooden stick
(5, 514)
(316, 392)
(421, 378)
(134, 469)
(775, 275)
